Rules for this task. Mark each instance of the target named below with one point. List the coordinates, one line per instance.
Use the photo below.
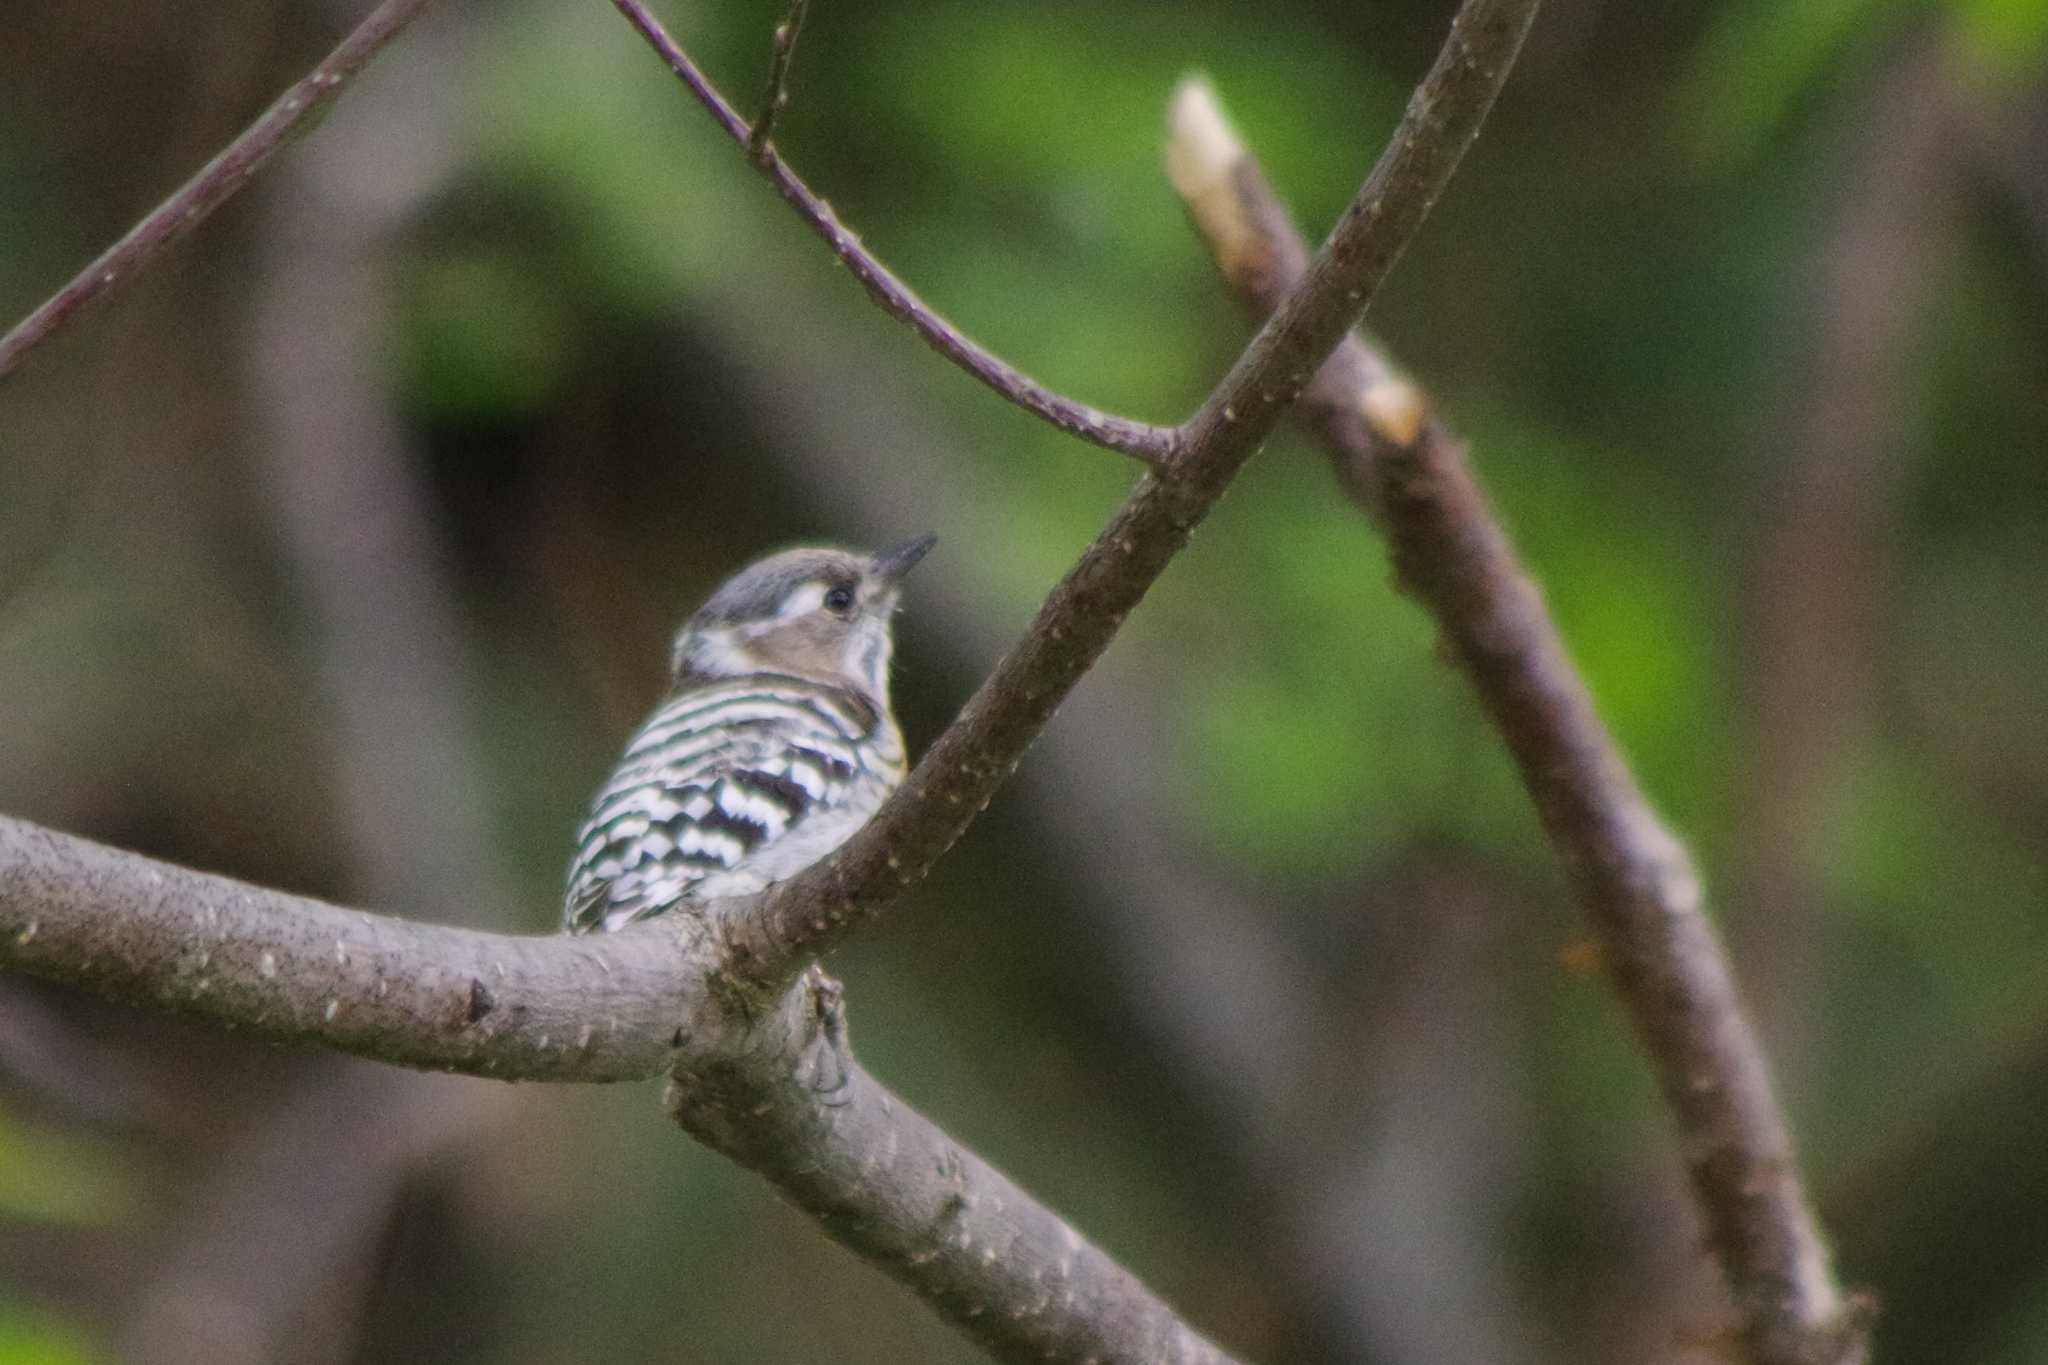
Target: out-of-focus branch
(54, 1071)
(1634, 879)
(344, 481)
(1827, 502)
(961, 771)
(233, 168)
(276, 1243)
(762, 136)
(275, 1254)
(1151, 444)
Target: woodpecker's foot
(830, 1057)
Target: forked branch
(759, 1057)
(962, 770)
(762, 135)
(1151, 444)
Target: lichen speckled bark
(1634, 879)
(298, 970)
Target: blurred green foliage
(1757, 61)
(33, 1336)
(1615, 303)
(48, 1177)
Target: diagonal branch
(786, 1099)
(234, 167)
(1145, 442)
(960, 773)
(1632, 876)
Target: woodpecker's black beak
(891, 564)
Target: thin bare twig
(233, 168)
(961, 771)
(1632, 876)
(1141, 440)
(762, 135)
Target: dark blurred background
(340, 552)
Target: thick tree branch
(233, 168)
(1632, 876)
(1152, 444)
(785, 1098)
(297, 970)
(779, 1093)
(961, 771)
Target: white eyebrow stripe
(804, 599)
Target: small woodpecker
(775, 742)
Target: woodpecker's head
(815, 613)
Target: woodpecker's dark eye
(839, 600)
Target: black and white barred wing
(724, 791)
